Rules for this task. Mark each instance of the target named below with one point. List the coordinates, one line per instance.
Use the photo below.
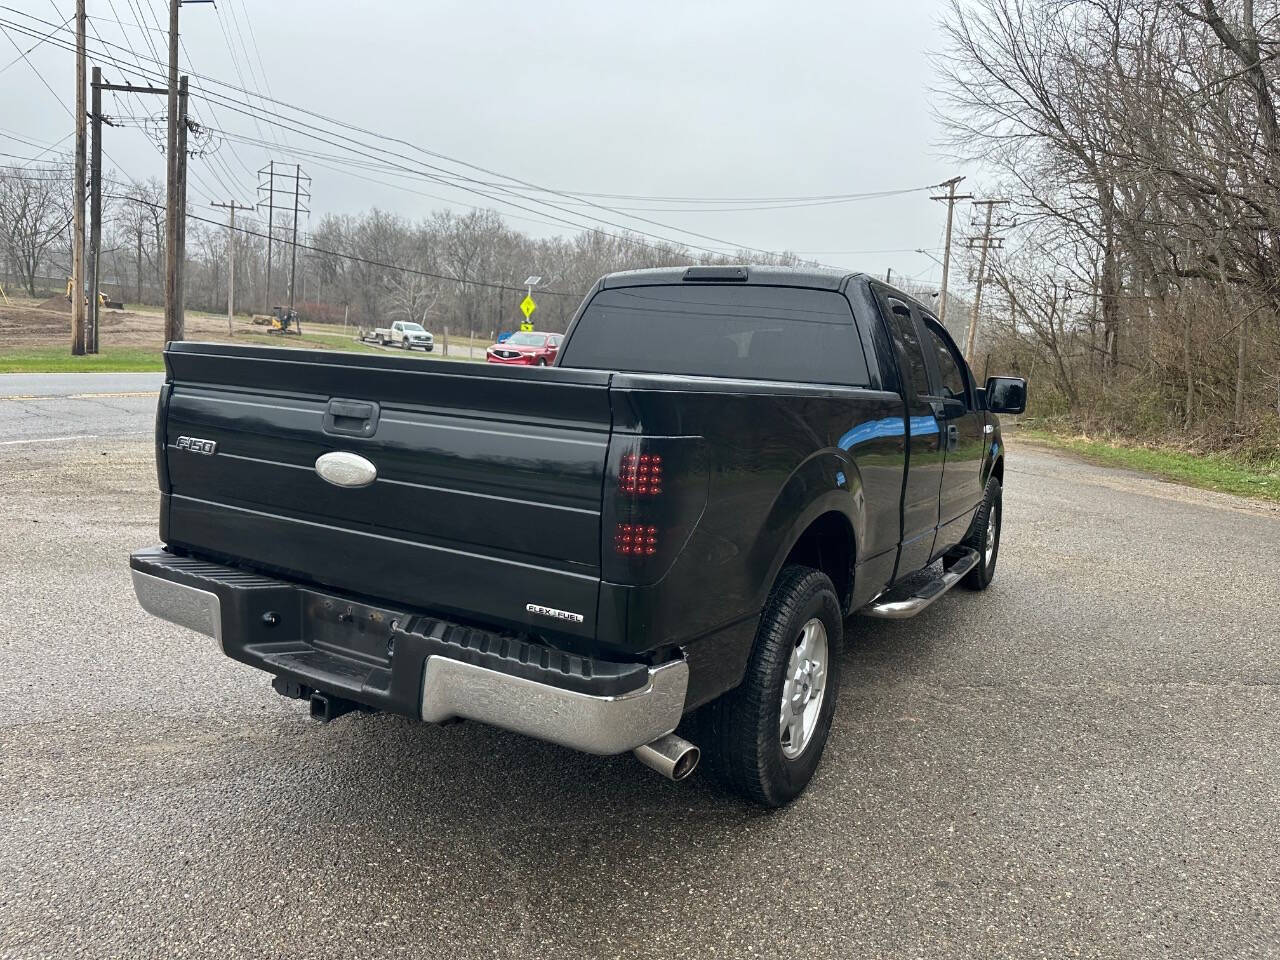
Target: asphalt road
(62, 408)
(1083, 761)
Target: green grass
(1210, 471)
(59, 360)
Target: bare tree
(35, 214)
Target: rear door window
(741, 331)
(906, 336)
(951, 379)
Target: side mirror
(1006, 394)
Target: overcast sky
(698, 99)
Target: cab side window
(903, 327)
(952, 381)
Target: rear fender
(825, 483)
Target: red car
(527, 347)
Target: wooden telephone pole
(95, 215)
(231, 206)
(176, 198)
(951, 197)
(985, 244)
(78, 189)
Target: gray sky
(703, 99)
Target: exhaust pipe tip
(673, 757)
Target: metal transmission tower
(268, 176)
(985, 243)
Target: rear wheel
(765, 738)
(541, 361)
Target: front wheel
(767, 735)
(984, 537)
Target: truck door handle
(953, 436)
(351, 418)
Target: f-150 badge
(196, 445)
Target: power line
(455, 180)
(492, 284)
(22, 54)
(517, 182)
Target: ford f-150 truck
(651, 546)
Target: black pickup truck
(664, 530)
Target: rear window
(750, 332)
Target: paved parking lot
(1083, 761)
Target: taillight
(640, 474)
(659, 489)
(636, 540)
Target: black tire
(980, 577)
(740, 731)
(541, 362)
(404, 345)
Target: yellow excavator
(282, 320)
(103, 301)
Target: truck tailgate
(488, 489)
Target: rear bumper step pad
(413, 664)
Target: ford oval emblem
(344, 469)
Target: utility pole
(95, 214)
(180, 261)
(986, 243)
(293, 259)
(174, 207)
(95, 183)
(951, 197)
(77, 211)
(231, 206)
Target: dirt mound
(55, 303)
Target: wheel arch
(819, 518)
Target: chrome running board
(912, 597)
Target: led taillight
(640, 475)
(636, 540)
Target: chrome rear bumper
(233, 608)
(190, 607)
(592, 724)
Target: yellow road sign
(527, 306)
(526, 326)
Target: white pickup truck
(408, 335)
